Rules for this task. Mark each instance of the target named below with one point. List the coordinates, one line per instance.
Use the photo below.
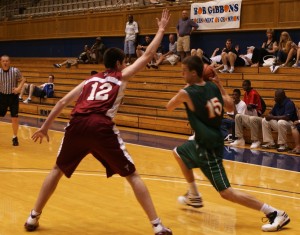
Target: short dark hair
(93, 72)
(52, 76)
(237, 91)
(248, 82)
(194, 63)
(111, 56)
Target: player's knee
(227, 194)
(282, 123)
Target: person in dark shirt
(141, 48)
(98, 50)
(269, 47)
(228, 57)
(83, 58)
(280, 119)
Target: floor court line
(151, 179)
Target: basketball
(208, 72)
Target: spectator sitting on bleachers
(250, 119)
(83, 58)
(287, 50)
(280, 119)
(200, 53)
(269, 47)
(245, 60)
(141, 48)
(170, 57)
(45, 90)
(97, 51)
(296, 65)
(296, 137)
(228, 124)
(216, 59)
(229, 55)
(211, 61)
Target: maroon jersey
(101, 94)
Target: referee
(9, 90)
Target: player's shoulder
(210, 84)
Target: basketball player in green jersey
(204, 102)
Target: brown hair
(271, 31)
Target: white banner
(220, 14)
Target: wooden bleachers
(149, 91)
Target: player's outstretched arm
(141, 62)
(66, 100)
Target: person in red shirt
(252, 99)
(251, 119)
(92, 131)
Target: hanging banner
(221, 14)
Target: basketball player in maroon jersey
(91, 130)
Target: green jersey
(208, 114)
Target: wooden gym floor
(88, 203)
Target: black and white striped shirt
(9, 80)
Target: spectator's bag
(269, 60)
(263, 106)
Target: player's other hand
(163, 22)
(215, 78)
(39, 135)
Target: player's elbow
(62, 103)
(169, 108)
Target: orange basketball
(208, 72)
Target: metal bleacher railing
(22, 9)
(12, 10)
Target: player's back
(101, 94)
(208, 103)
(207, 117)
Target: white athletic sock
(34, 213)
(267, 209)
(156, 221)
(226, 67)
(193, 189)
(157, 225)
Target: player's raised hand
(39, 135)
(163, 22)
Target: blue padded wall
(73, 46)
